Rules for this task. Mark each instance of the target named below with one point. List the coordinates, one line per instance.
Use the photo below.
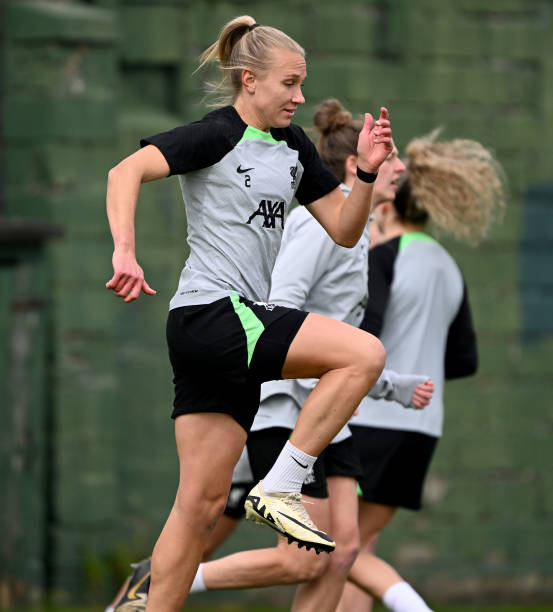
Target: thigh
(322, 344)
(372, 518)
(208, 445)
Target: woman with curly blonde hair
(419, 309)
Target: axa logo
(270, 211)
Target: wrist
(124, 248)
(367, 166)
(366, 177)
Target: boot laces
(294, 501)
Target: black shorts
(236, 499)
(264, 447)
(222, 352)
(338, 459)
(394, 464)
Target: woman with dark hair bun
(239, 168)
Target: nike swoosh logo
(321, 534)
(241, 170)
(132, 593)
(300, 464)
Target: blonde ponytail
(241, 47)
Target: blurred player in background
(330, 280)
(419, 308)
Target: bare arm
(343, 218)
(124, 180)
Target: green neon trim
(359, 492)
(251, 324)
(406, 239)
(251, 132)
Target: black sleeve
(461, 355)
(199, 144)
(381, 274)
(317, 180)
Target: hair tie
(253, 26)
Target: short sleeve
(199, 144)
(317, 180)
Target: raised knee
(376, 354)
(368, 361)
(372, 360)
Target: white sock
(198, 584)
(402, 597)
(289, 470)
